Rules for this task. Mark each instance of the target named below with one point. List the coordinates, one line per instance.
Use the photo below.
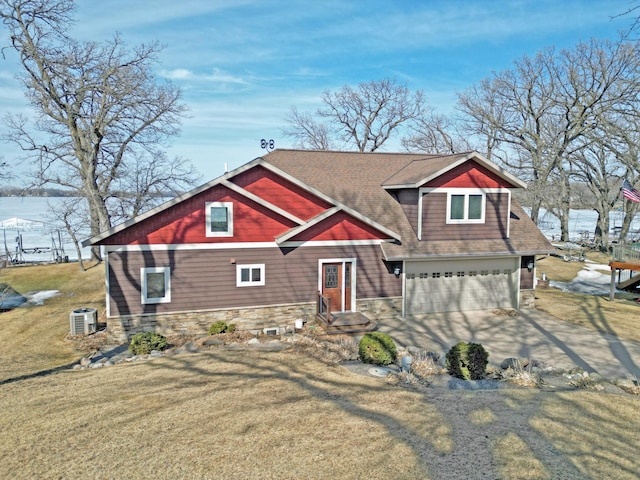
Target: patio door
(337, 278)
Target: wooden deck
(347, 322)
(624, 262)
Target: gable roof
(365, 182)
(362, 185)
(420, 171)
(226, 180)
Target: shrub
(456, 361)
(221, 327)
(144, 343)
(467, 361)
(377, 348)
(478, 360)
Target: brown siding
(526, 276)
(206, 279)
(408, 199)
(435, 227)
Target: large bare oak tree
(102, 118)
(361, 118)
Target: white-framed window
(250, 275)
(465, 207)
(219, 219)
(156, 285)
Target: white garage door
(457, 285)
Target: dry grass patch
(220, 414)
(253, 414)
(34, 338)
(595, 431)
(592, 311)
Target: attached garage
(458, 285)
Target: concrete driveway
(525, 334)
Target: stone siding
(197, 323)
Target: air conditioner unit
(83, 320)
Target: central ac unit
(83, 320)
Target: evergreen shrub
(144, 343)
(221, 327)
(467, 361)
(377, 348)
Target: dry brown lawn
(254, 414)
(250, 414)
(34, 338)
(619, 317)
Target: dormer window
(219, 219)
(465, 207)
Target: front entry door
(336, 284)
(332, 284)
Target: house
(296, 232)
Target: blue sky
(242, 64)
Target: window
(219, 219)
(465, 208)
(249, 275)
(156, 285)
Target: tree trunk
(601, 233)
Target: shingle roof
(356, 180)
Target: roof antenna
(268, 145)
(225, 167)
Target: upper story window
(465, 207)
(219, 219)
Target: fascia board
(261, 201)
(168, 204)
(332, 201)
(472, 155)
(314, 221)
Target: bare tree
(545, 108)
(363, 118)
(99, 108)
(436, 133)
(307, 133)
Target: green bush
(144, 343)
(377, 348)
(221, 327)
(467, 361)
(478, 359)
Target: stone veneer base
(258, 318)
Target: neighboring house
(376, 233)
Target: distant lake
(39, 232)
(42, 232)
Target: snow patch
(588, 280)
(38, 298)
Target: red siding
(280, 192)
(469, 175)
(186, 222)
(340, 226)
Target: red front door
(332, 284)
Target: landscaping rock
(213, 341)
(85, 362)
(512, 362)
(625, 383)
(155, 354)
(253, 341)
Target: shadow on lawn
(453, 446)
